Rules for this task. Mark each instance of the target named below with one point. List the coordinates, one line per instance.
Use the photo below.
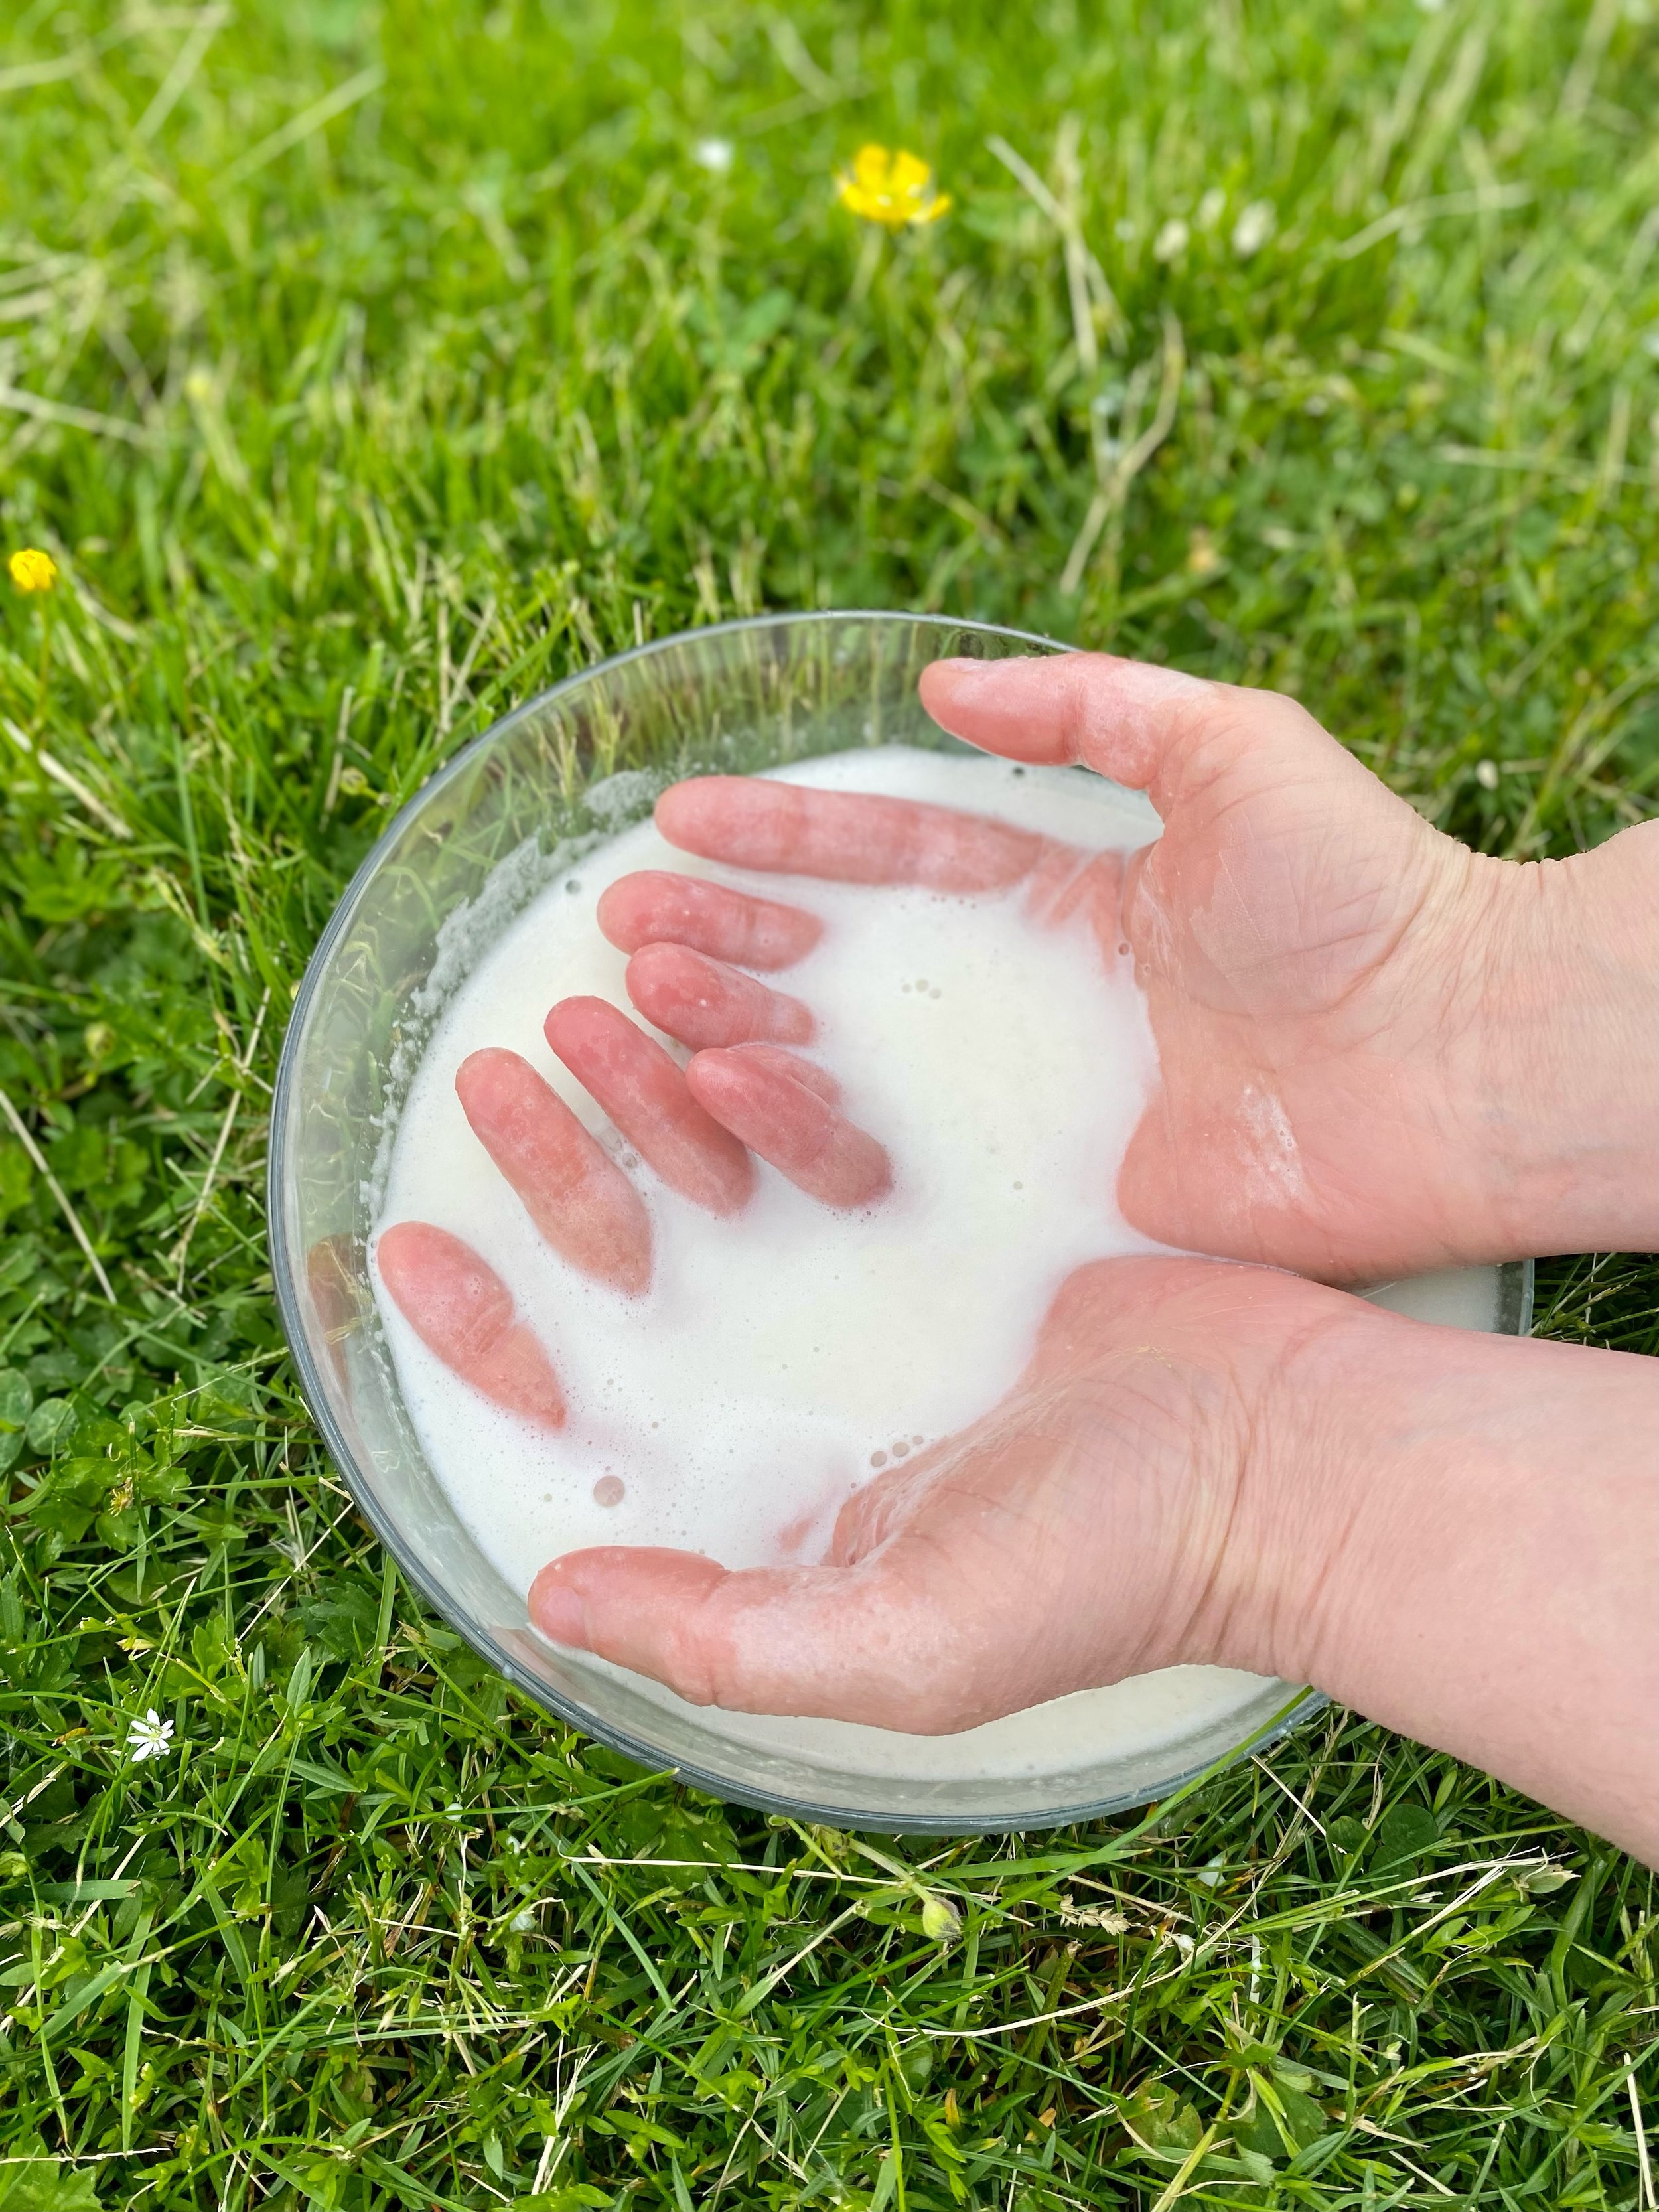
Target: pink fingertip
(818, 1149)
(462, 1311)
(845, 836)
(578, 1199)
(686, 810)
(557, 1610)
(705, 1003)
(659, 907)
(1006, 707)
(643, 1090)
(1125, 719)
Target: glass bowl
(565, 772)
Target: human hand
(1210, 1463)
(1380, 1053)
(749, 1087)
(1094, 1524)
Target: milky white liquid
(777, 1360)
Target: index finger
(461, 1308)
(850, 837)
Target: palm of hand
(1295, 930)
(1079, 1533)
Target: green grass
(367, 370)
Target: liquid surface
(779, 1359)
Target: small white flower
(1253, 229)
(1171, 240)
(1211, 208)
(714, 155)
(149, 1737)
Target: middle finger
(642, 1090)
(656, 907)
(704, 1003)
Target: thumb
(871, 1642)
(1137, 724)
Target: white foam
(742, 1398)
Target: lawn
(368, 369)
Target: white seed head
(1253, 229)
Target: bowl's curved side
(501, 814)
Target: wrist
(1299, 1526)
(1458, 1535)
(1557, 1075)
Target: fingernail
(559, 1614)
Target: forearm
(1464, 1544)
(1559, 1063)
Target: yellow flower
(895, 188)
(33, 570)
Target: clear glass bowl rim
(1516, 1300)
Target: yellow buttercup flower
(891, 187)
(33, 570)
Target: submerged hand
(747, 1087)
(1084, 1529)
(1208, 1463)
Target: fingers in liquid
(703, 1003)
(644, 1092)
(847, 836)
(656, 906)
(820, 1150)
(461, 1309)
(578, 1197)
